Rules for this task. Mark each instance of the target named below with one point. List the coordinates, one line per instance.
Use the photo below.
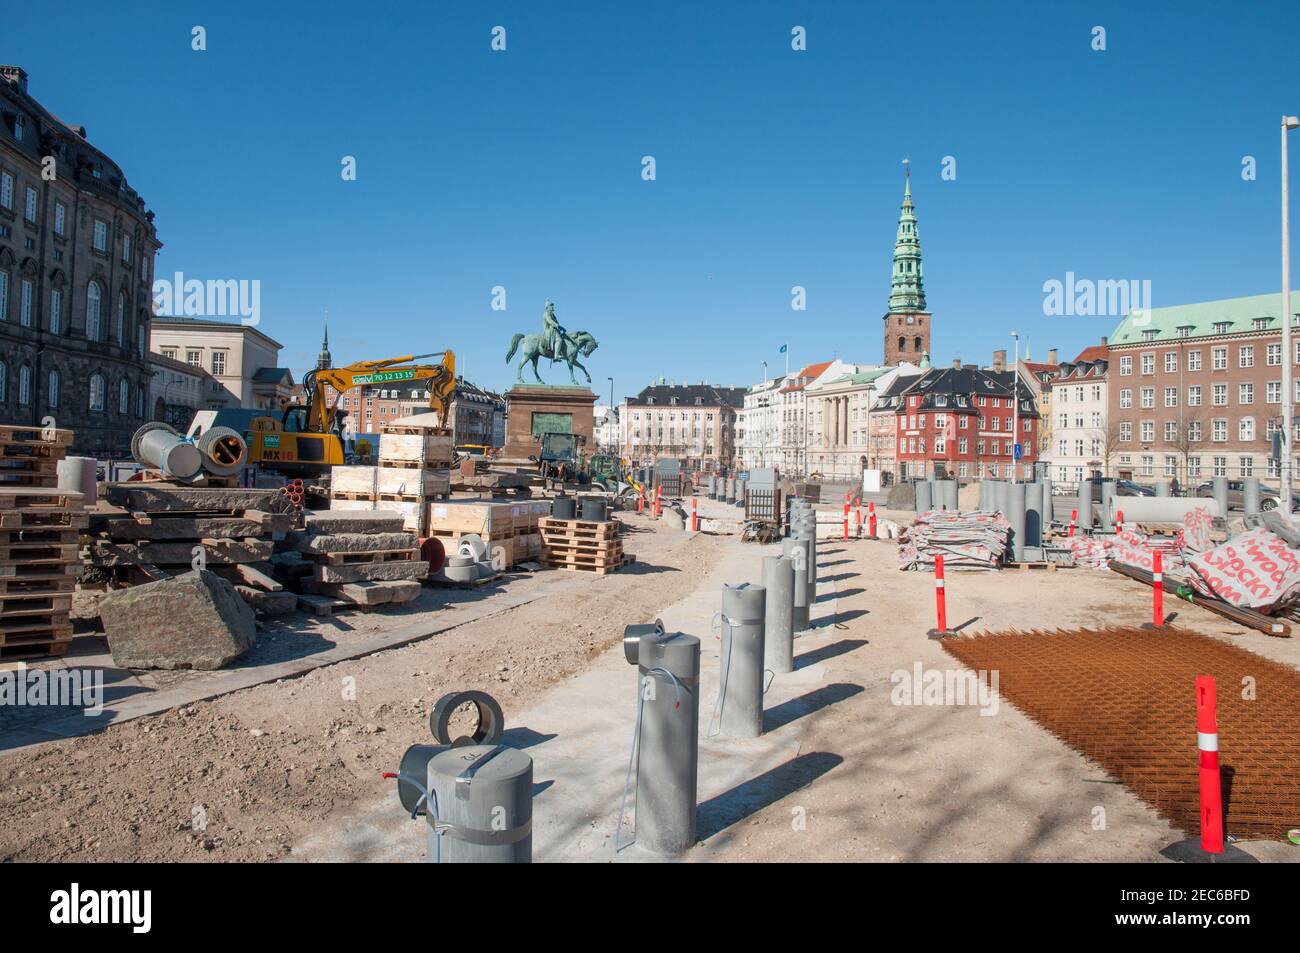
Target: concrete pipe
(564, 508)
(415, 764)
(984, 496)
(1085, 506)
(740, 678)
(1250, 495)
(1016, 516)
(1220, 485)
(78, 475)
(740, 491)
(594, 510)
(1049, 513)
(778, 620)
(223, 450)
(157, 444)
(1002, 498)
(713, 488)
(1163, 488)
(485, 805)
(945, 494)
(668, 748)
(924, 497)
(1164, 509)
(1033, 514)
(796, 552)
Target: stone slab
(358, 572)
(169, 498)
(354, 521)
(349, 542)
(218, 552)
(126, 529)
(269, 603)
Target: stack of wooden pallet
(163, 530)
(414, 470)
(583, 545)
(39, 528)
(29, 456)
(353, 559)
(496, 523)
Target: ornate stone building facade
(907, 322)
(77, 248)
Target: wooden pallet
(22, 587)
(56, 535)
(595, 548)
(496, 536)
(24, 605)
(43, 519)
(24, 628)
(35, 650)
(587, 529)
(358, 495)
(39, 499)
(1041, 564)
(12, 433)
(625, 560)
(38, 552)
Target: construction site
(662, 665)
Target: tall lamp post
(618, 440)
(1015, 409)
(1288, 359)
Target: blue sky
(775, 168)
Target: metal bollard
(796, 551)
(484, 800)
(778, 622)
(667, 744)
(740, 680)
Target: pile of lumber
(583, 545)
(972, 540)
(510, 529)
(160, 530)
(29, 456)
(39, 565)
(354, 559)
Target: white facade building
(606, 429)
(759, 426)
(1080, 439)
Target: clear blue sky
(775, 168)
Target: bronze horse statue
(535, 346)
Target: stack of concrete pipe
(219, 451)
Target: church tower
(324, 359)
(907, 322)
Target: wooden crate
(423, 446)
(412, 482)
(486, 518)
(352, 482)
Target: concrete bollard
(1001, 497)
(1033, 514)
(778, 622)
(924, 497)
(948, 493)
(740, 680)
(1250, 495)
(740, 491)
(668, 749)
(984, 495)
(1085, 506)
(1016, 517)
(1049, 513)
(1221, 494)
(1163, 488)
(796, 551)
(485, 797)
(1108, 507)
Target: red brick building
(959, 422)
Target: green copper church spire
(907, 290)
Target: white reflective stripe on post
(1207, 742)
(1157, 577)
(938, 584)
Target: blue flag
(782, 351)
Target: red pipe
(1207, 740)
(1157, 588)
(940, 602)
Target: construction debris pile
(352, 559)
(973, 540)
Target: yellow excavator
(307, 438)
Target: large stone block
(358, 572)
(349, 542)
(169, 498)
(349, 521)
(195, 620)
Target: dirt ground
(241, 777)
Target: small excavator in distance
(307, 439)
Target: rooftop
(1255, 313)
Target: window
(1171, 362)
(1193, 360)
(1219, 358)
(1171, 431)
(54, 390)
(1273, 392)
(123, 397)
(194, 358)
(25, 303)
(6, 190)
(56, 311)
(1126, 364)
(1219, 431)
(171, 352)
(1125, 401)
(1148, 396)
(1194, 396)
(1221, 466)
(1148, 363)
(29, 206)
(1148, 431)
(1219, 395)
(218, 363)
(96, 392)
(4, 296)
(1171, 396)
(140, 340)
(1193, 467)
(1221, 327)
(1246, 466)
(1246, 356)
(20, 127)
(60, 219)
(119, 326)
(1171, 466)
(100, 240)
(1148, 463)
(93, 315)
(1194, 432)
(126, 249)
(24, 386)
(1273, 355)
(1245, 393)
(1246, 429)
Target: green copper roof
(1208, 318)
(864, 377)
(907, 291)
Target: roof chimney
(1000, 360)
(956, 363)
(16, 75)
(1103, 340)
(1052, 356)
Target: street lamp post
(617, 441)
(1288, 359)
(1015, 409)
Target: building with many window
(758, 426)
(1196, 390)
(241, 357)
(693, 423)
(76, 258)
(838, 411)
(476, 415)
(1076, 419)
(178, 390)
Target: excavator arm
(441, 378)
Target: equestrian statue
(554, 343)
